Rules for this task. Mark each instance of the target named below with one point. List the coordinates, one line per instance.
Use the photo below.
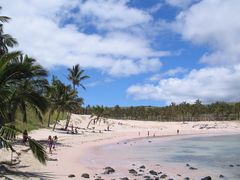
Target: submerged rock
(152, 172)
(207, 178)
(187, 165)
(221, 176)
(85, 175)
(71, 176)
(193, 168)
(108, 170)
(231, 165)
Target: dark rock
(142, 167)
(133, 164)
(149, 141)
(132, 171)
(179, 175)
(99, 179)
(159, 172)
(207, 178)
(187, 165)
(140, 170)
(193, 168)
(125, 178)
(163, 176)
(171, 179)
(221, 176)
(3, 169)
(156, 178)
(71, 176)
(152, 172)
(186, 178)
(108, 170)
(231, 165)
(85, 175)
(238, 165)
(147, 177)
(157, 164)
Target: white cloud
(36, 26)
(168, 73)
(107, 14)
(207, 84)
(180, 3)
(214, 23)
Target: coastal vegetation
(197, 111)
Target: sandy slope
(72, 148)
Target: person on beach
(148, 133)
(55, 138)
(25, 137)
(50, 144)
(178, 131)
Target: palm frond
(8, 133)
(38, 150)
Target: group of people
(51, 140)
(52, 143)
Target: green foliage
(175, 112)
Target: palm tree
(76, 76)
(6, 40)
(98, 115)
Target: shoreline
(71, 149)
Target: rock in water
(221, 176)
(85, 175)
(71, 176)
(132, 171)
(108, 170)
(193, 168)
(207, 178)
(152, 172)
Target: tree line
(197, 111)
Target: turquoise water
(213, 153)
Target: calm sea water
(213, 153)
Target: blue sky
(137, 52)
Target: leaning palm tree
(97, 115)
(76, 76)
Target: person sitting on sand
(76, 131)
(50, 144)
(25, 137)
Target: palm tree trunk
(56, 120)
(68, 120)
(49, 118)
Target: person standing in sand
(25, 137)
(50, 144)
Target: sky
(137, 52)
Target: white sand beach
(72, 149)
